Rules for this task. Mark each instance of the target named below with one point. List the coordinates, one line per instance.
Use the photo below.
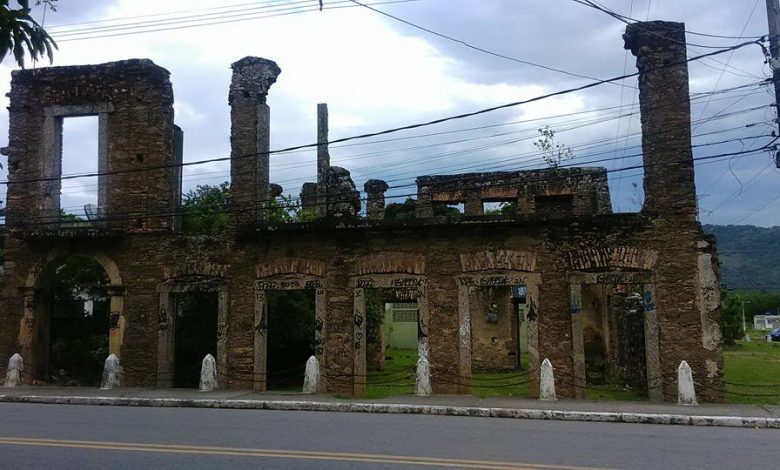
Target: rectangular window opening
(499, 207)
(80, 155)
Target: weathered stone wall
(145, 261)
(134, 101)
(584, 190)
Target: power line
(477, 48)
(627, 20)
(549, 177)
(225, 19)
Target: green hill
(749, 256)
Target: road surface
(85, 437)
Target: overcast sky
(376, 73)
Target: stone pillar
(309, 196)
(323, 159)
(375, 199)
(250, 139)
(359, 368)
(660, 50)
(165, 339)
(424, 207)
(464, 336)
(473, 206)
(578, 341)
(178, 159)
(655, 380)
(260, 341)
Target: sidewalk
(753, 416)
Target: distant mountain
(749, 256)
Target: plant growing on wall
(553, 153)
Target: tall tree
(20, 34)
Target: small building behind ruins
(557, 276)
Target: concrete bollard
(311, 379)
(422, 383)
(547, 382)
(208, 374)
(13, 377)
(686, 393)
(110, 373)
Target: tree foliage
(407, 210)
(730, 317)
(553, 153)
(204, 209)
(21, 35)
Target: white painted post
(208, 374)
(423, 379)
(13, 377)
(686, 393)
(110, 373)
(311, 379)
(547, 382)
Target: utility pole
(744, 325)
(773, 18)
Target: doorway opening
(614, 341)
(291, 337)
(392, 341)
(74, 342)
(195, 335)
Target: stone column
(27, 334)
(260, 340)
(323, 159)
(464, 335)
(473, 206)
(165, 339)
(577, 339)
(375, 199)
(178, 159)
(655, 380)
(359, 367)
(424, 207)
(250, 139)
(117, 321)
(660, 49)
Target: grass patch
(749, 369)
(614, 392)
(398, 376)
(513, 383)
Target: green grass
(614, 392)
(398, 376)
(749, 368)
(514, 383)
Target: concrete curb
(391, 408)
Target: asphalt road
(84, 437)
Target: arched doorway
(72, 319)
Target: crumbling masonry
(601, 291)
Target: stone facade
(552, 193)
(561, 254)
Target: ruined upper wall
(660, 50)
(134, 102)
(584, 189)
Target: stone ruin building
(633, 293)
